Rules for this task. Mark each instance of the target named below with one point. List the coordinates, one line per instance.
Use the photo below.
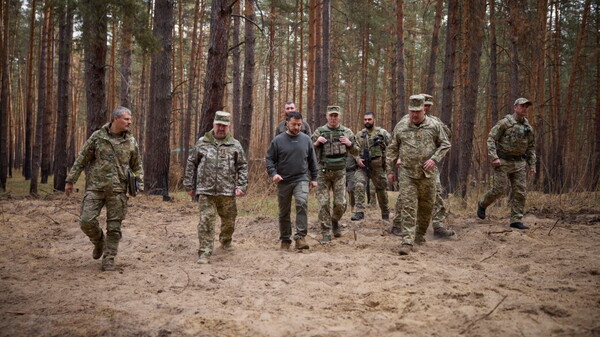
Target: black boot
(518, 225)
(358, 216)
(480, 211)
(98, 248)
(335, 228)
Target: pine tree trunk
(439, 7)
(65, 43)
(216, 65)
(271, 96)
(36, 159)
(452, 33)
(325, 57)
(126, 50)
(493, 64)
(94, 45)
(476, 25)
(247, 81)
(400, 67)
(311, 63)
(30, 98)
(4, 96)
(236, 94)
(158, 154)
(48, 139)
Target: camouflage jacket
(512, 137)
(105, 172)
(216, 167)
(436, 119)
(378, 134)
(414, 145)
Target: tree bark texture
(158, 154)
(216, 65)
(247, 80)
(65, 43)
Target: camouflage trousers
(285, 192)
(414, 206)
(515, 174)
(439, 208)
(350, 185)
(379, 179)
(210, 206)
(334, 180)
(116, 209)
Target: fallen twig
(500, 232)
(550, 231)
(188, 281)
(319, 241)
(67, 211)
(484, 316)
(354, 234)
(55, 222)
(489, 256)
(19, 313)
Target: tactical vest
(333, 152)
(374, 150)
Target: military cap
(222, 117)
(522, 100)
(416, 102)
(334, 109)
(428, 99)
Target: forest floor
(486, 281)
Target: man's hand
(345, 141)
(391, 178)
(532, 171)
(68, 189)
(429, 165)
(239, 193)
(191, 193)
(313, 184)
(320, 140)
(398, 162)
(277, 178)
(360, 163)
(496, 162)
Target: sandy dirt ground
(487, 281)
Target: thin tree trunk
(36, 160)
(493, 63)
(439, 7)
(216, 65)
(236, 95)
(247, 87)
(311, 64)
(452, 34)
(325, 56)
(46, 163)
(271, 56)
(30, 98)
(514, 34)
(126, 46)
(4, 95)
(400, 67)
(65, 43)
(318, 110)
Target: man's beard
(368, 125)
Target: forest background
(67, 64)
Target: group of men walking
(216, 172)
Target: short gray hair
(120, 110)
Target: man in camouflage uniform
(418, 144)
(511, 148)
(439, 208)
(217, 172)
(108, 154)
(333, 143)
(290, 107)
(372, 142)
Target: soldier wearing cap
(288, 108)
(511, 148)
(216, 172)
(418, 144)
(333, 143)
